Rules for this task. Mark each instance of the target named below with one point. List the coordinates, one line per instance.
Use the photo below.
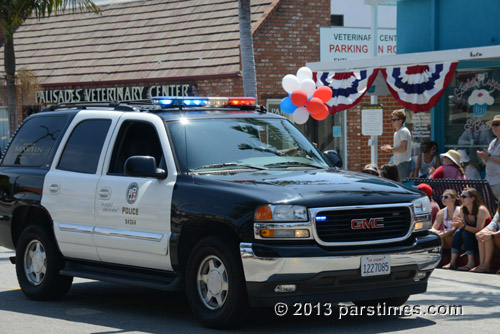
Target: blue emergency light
(210, 102)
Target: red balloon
(314, 105)
(299, 98)
(324, 93)
(321, 115)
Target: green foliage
(14, 12)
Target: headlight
(422, 214)
(282, 222)
(281, 213)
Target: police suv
(210, 195)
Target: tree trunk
(246, 49)
(10, 71)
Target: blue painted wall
(428, 25)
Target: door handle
(104, 193)
(55, 188)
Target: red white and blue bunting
(416, 87)
(348, 87)
(419, 87)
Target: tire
(215, 284)
(396, 301)
(38, 262)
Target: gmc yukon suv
(214, 196)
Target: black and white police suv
(210, 195)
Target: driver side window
(135, 138)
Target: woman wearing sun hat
(491, 157)
(450, 169)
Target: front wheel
(38, 262)
(215, 284)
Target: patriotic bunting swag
(348, 87)
(419, 87)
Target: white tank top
(446, 220)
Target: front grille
(335, 226)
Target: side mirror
(334, 158)
(143, 166)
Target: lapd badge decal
(132, 193)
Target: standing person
(471, 219)
(491, 157)
(450, 169)
(487, 239)
(442, 225)
(401, 148)
(426, 160)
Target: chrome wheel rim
(212, 282)
(35, 262)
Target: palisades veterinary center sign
(339, 43)
(111, 94)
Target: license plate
(374, 265)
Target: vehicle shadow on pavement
(125, 309)
(477, 295)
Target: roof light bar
(242, 101)
(209, 102)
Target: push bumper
(335, 276)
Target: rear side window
(83, 149)
(34, 141)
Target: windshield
(241, 143)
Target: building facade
(138, 49)
(473, 97)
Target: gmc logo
(363, 223)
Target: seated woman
(371, 169)
(390, 171)
(471, 219)
(487, 239)
(426, 160)
(450, 169)
(442, 225)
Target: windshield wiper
(229, 164)
(292, 164)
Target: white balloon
(300, 115)
(304, 73)
(290, 83)
(308, 86)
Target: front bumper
(334, 276)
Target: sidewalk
(462, 260)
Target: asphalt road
(101, 308)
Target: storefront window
(4, 128)
(473, 99)
(419, 125)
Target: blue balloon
(287, 106)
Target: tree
(246, 49)
(12, 14)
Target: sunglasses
(446, 196)
(495, 124)
(398, 119)
(434, 148)
(466, 196)
(370, 172)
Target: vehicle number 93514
(373, 265)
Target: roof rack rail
(137, 105)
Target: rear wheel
(215, 284)
(38, 262)
(396, 301)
